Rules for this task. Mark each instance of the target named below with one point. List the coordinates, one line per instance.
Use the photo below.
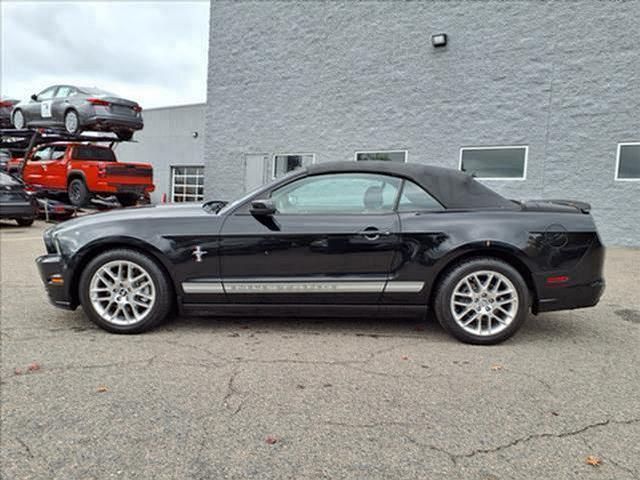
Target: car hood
(135, 215)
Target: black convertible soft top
(452, 188)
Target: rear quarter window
(84, 152)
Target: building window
(285, 163)
(628, 161)
(495, 163)
(187, 184)
(383, 155)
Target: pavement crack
(537, 436)
(450, 455)
(25, 446)
(232, 392)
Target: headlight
(56, 244)
(51, 241)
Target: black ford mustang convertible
(348, 238)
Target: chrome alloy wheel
(18, 120)
(484, 303)
(122, 292)
(71, 122)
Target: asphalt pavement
(295, 398)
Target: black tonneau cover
(453, 189)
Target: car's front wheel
(18, 120)
(482, 301)
(125, 291)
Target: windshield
(230, 206)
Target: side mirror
(34, 97)
(262, 208)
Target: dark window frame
(276, 155)
(617, 177)
(498, 147)
(369, 152)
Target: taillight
(137, 108)
(8, 104)
(102, 170)
(98, 101)
(557, 280)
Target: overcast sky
(154, 52)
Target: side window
(58, 152)
(47, 94)
(41, 154)
(414, 198)
(64, 92)
(342, 193)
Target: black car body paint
(246, 264)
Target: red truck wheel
(78, 193)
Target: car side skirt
(308, 310)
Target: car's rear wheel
(125, 291)
(18, 120)
(24, 222)
(125, 135)
(127, 199)
(78, 193)
(482, 301)
(72, 122)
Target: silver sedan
(77, 109)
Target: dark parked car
(348, 238)
(15, 203)
(6, 105)
(77, 109)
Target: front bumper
(17, 210)
(52, 269)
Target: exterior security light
(439, 40)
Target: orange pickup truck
(83, 170)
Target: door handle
(372, 233)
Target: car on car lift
(83, 170)
(6, 107)
(81, 167)
(78, 109)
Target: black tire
(127, 199)
(24, 222)
(69, 129)
(13, 120)
(446, 288)
(164, 292)
(125, 135)
(78, 193)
